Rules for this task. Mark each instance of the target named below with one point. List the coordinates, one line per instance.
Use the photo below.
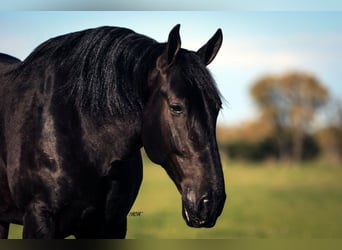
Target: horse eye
(176, 108)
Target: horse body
(51, 153)
(73, 117)
(50, 150)
(8, 209)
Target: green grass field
(271, 200)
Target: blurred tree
(289, 102)
(330, 137)
(330, 142)
(334, 112)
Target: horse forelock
(196, 74)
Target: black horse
(74, 115)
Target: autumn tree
(330, 136)
(289, 102)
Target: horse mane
(101, 69)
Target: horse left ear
(208, 52)
(173, 46)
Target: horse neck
(112, 139)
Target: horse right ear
(172, 48)
(208, 52)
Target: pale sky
(255, 43)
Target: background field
(268, 200)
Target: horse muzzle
(204, 211)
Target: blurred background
(280, 129)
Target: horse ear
(173, 44)
(208, 52)
(172, 48)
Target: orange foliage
(251, 131)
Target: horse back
(8, 59)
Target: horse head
(179, 123)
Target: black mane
(102, 70)
(99, 69)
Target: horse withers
(74, 115)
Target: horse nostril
(203, 207)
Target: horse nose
(200, 210)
